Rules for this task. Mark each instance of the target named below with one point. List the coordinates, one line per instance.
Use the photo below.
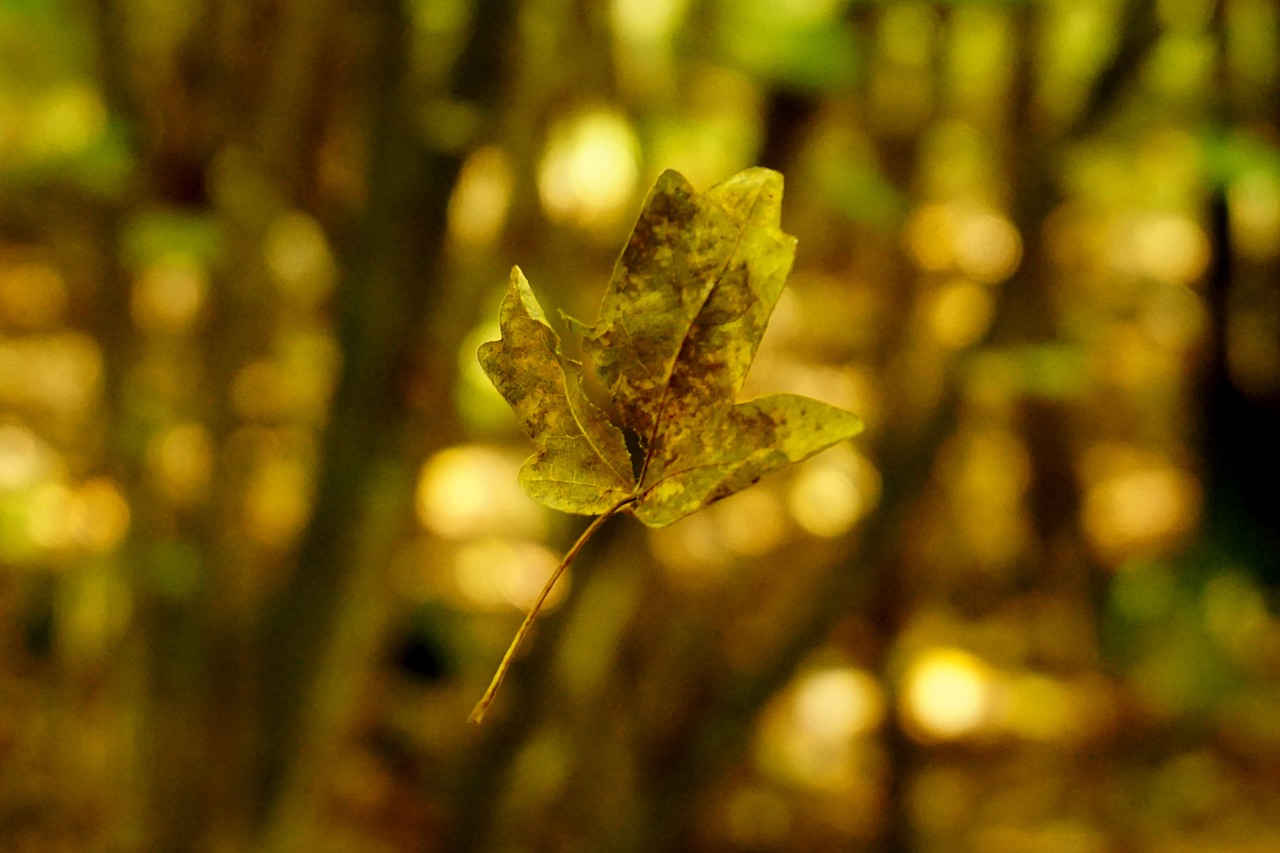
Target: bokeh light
(947, 693)
(470, 491)
(960, 313)
(67, 121)
(753, 522)
(693, 551)
(277, 501)
(838, 703)
(1254, 204)
(24, 457)
(49, 516)
(181, 459)
(646, 20)
(987, 246)
(1166, 247)
(99, 515)
(831, 492)
(979, 243)
(33, 295)
(817, 735)
(589, 170)
(478, 207)
(494, 572)
(480, 406)
(169, 293)
(297, 253)
(92, 517)
(1136, 504)
(59, 373)
(929, 237)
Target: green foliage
(799, 47)
(1230, 154)
(152, 234)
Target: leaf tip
(520, 297)
(670, 182)
(768, 180)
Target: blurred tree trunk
(321, 633)
(1238, 426)
(175, 764)
(318, 634)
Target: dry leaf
(678, 329)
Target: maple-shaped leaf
(678, 329)
(679, 326)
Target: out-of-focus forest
(261, 539)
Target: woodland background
(261, 542)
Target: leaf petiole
(478, 712)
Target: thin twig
(478, 712)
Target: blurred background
(261, 541)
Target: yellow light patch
(181, 460)
(987, 246)
(1128, 513)
(468, 491)
(960, 313)
(838, 703)
(481, 197)
(831, 493)
(947, 693)
(589, 169)
(495, 572)
(32, 295)
(298, 256)
(169, 293)
(99, 515)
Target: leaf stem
(478, 712)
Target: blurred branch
(112, 60)
(1139, 35)
(1237, 426)
(373, 320)
(176, 776)
(292, 90)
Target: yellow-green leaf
(582, 464)
(678, 329)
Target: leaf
(582, 464)
(678, 329)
